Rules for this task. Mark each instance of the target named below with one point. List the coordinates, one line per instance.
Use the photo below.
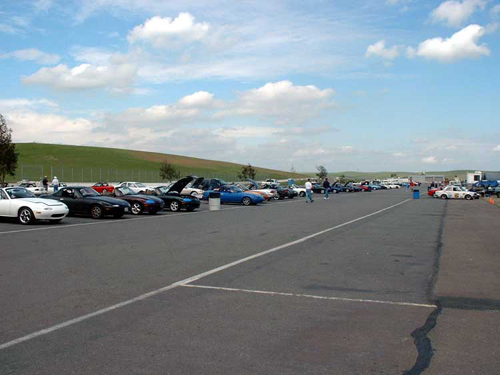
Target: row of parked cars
(29, 202)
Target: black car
(140, 203)
(318, 188)
(208, 183)
(282, 191)
(83, 200)
(172, 198)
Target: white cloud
(21, 103)
(379, 49)
(198, 99)
(282, 101)
(32, 54)
(429, 160)
(455, 13)
(117, 77)
(461, 45)
(496, 149)
(166, 32)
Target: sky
(362, 85)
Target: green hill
(90, 164)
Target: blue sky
(351, 85)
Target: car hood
(180, 185)
(197, 182)
(253, 183)
(43, 201)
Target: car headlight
(47, 209)
(116, 205)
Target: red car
(100, 187)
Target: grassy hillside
(81, 163)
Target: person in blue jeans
(326, 185)
(309, 191)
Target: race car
(455, 192)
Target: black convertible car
(82, 200)
(140, 203)
(172, 198)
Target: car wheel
(443, 196)
(175, 206)
(322, 191)
(136, 208)
(193, 193)
(302, 194)
(468, 197)
(348, 190)
(246, 201)
(26, 216)
(276, 197)
(96, 212)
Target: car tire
(443, 196)
(276, 197)
(302, 194)
(193, 193)
(247, 201)
(468, 197)
(175, 206)
(136, 208)
(25, 216)
(96, 212)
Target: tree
(168, 171)
(8, 153)
(322, 172)
(247, 171)
(393, 175)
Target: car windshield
(15, 193)
(164, 189)
(236, 189)
(125, 191)
(138, 184)
(88, 192)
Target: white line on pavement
(309, 296)
(187, 281)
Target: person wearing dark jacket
(326, 185)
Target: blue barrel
(416, 194)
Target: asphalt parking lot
(344, 286)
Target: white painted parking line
(188, 280)
(310, 296)
(117, 221)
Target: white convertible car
(22, 203)
(456, 192)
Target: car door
(457, 193)
(66, 195)
(4, 204)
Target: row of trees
(168, 172)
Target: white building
(474, 177)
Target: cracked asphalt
(358, 298)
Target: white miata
(457, 192)
(299, 190)
(21, 203)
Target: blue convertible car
(233, 194)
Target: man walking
(55, 184)
(326, 185)
(45, 183)
(309, 191)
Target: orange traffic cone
(492, 201)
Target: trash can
(416, 194)
(214, 201)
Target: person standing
(309, 191)
(326, 185)
(55, 184)
(45, 183)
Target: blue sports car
(233, 194)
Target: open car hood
(179, 185)
(253, 183)
(197, 182)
